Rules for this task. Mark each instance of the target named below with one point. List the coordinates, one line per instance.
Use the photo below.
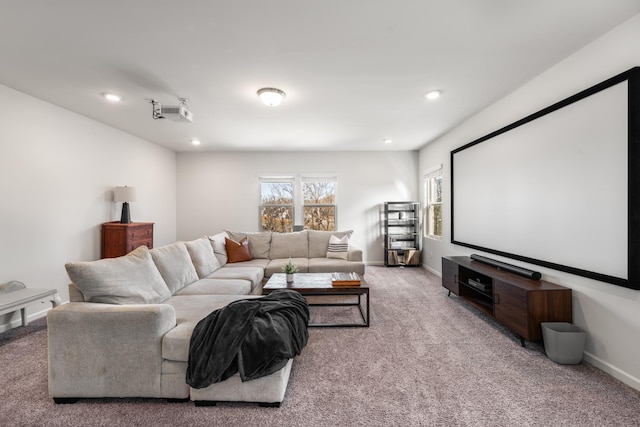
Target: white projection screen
(558, 188)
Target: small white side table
(19, 299)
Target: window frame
(304, 178)
(276, 179)
(429, 176)
(298, 206)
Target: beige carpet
(427, 359)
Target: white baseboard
(615, 372)
(436, 272)
(618, 374)
(18, 320)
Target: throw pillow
(219, 248)
(319, 241)
(238, 251)
(175, 265)
(338, 247)
(259, 243)
(129, 279)
(202, 255)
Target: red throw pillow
(237, 251)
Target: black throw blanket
(255, 337)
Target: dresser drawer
(140, 233)
(141, 242)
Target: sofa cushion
(219, 249)
(190, 309)
(267, 389)
(289, 245)
(130, 279)
(275, 265)
(338, 247)
(237, 251)
(331, 265)
(202, 256)
(262, 263)
(217, 287)
(175, 266)
(319, 241)
(259, 243)
(252, 274)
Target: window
(433, 202)
(319, 203)
(307, 201)
(276, 203)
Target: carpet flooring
(426, 360)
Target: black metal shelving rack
(401, 234)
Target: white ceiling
(355, 71)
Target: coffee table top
(306, 281)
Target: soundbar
(529, 274)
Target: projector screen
(555, 188)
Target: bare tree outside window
(309, 201)
(276, 206)
(319, 204)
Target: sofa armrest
(104, 350)
(355, 253)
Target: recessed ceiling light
(434, 94)
(112, 97)
(387, 140)
(195, 142)
(271, 96)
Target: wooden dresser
(120, 239)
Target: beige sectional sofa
(307, 249)
(127, 329)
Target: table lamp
(125, 195)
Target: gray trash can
(563, 342)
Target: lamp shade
(124, 194)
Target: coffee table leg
(365, 318)
(368, 308)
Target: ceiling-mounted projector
(177, 113)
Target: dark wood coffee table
(319, 284)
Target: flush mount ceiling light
(195, 142)
(112, 97)
(271, 96)
(387, 141)
(434, 94)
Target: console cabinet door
(450, 276)
(511, 307)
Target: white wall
(610, 314)
(57, 172)
(219, 191)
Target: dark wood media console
(519, 303)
